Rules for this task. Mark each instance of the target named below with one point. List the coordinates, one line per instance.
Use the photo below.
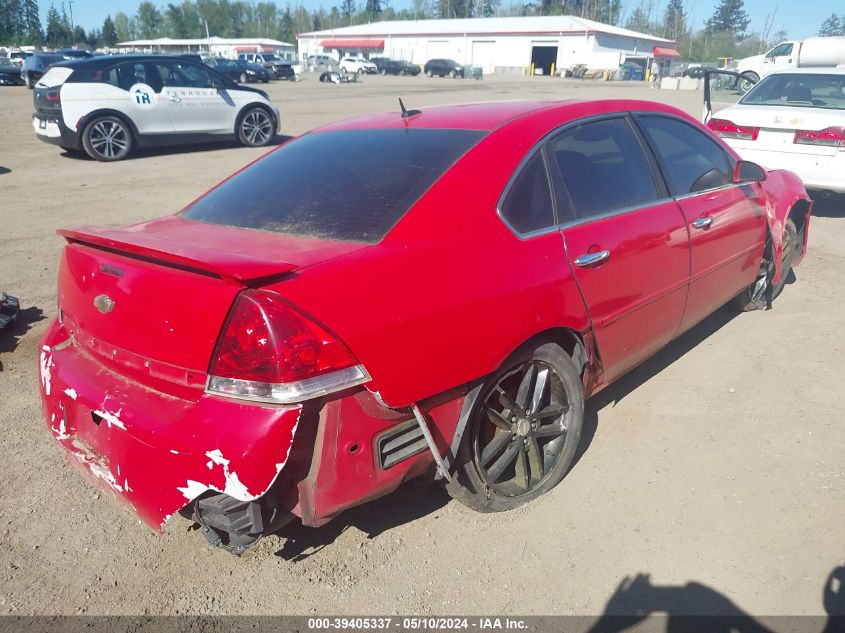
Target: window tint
(806, 90)
(603, 167)
(351, 185)
(528, 205)
(691, 160)
(95, 75)
(183, 75)
(781, 50)
(138, 73)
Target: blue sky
(799, 19)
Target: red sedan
(430, 292)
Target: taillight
(828, 137)
(271, 352)
(53, 95)
(729, 129)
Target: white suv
(107, 106)
(357, 65)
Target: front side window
(350, 185)
(691, 159)
(528, 205)
(603, 167)
(781, 50)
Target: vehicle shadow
(832, 206)
(411, 501)
(9, 338)
(4, 170)
(697, 607)
(149, 152)
(624, 385)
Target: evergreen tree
(833, 25)
(108, 36)
(373, 8)
(149, 20)
(33, 33)
(11, 21)
(675, 20)
(58, 33)
(729, 17)
(347, 9)
(286, 29)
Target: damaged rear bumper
(152, 450)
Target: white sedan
(357, 65)
(792, 119)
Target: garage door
(439, 49)
(482, 55)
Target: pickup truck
(818, 52)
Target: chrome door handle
(592, 259)
(702, 223)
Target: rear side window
(603, 167)
(691, 159)
(528, 205)
(95, 75)
(351, 185)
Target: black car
(10, 74)
(697, 72)
(443, 68)
(241, 71)
(399, 67)
(34, 67)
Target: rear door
(194, 103)
(627, 240)
(726, 220)
(140, 89)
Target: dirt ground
(717, 463)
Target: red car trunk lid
(150, 300)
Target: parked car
(74, 53)
(793, 119)
(107, 106)
(589, 235)
(380, 62)
(10, 74)
(697, 72)
(242, 71)
(443, 68)
(279, 69)
(357, 65)
(321, 61)
(36, 65)
(18, 57)
(399, 67)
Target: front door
(141, 87)
(726, 220)
(626, 240)
(194, 103)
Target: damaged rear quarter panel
(154, 451)
(783, 189)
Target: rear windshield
(800, 90)
(350, 185)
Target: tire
(27, 82)
(760, 294)
(510, 456)
(243, 78)
(452, 74)
(256, 127)
(750, 75)
(108, 139)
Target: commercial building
(215, 46)
(495, 44)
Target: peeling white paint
(61, 432)
(71, 393)
(98, 471)
(112, 419)
(45, 364)
(194, 489)
(126, 486)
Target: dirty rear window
(350, 185)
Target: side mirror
(746, 171)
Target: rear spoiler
(192, 257)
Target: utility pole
(70, 6)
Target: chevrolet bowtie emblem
(104, 304)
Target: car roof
(811, 71)
(489, 116)
(110, 60)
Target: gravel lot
(718, 463)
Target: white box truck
(817, 52)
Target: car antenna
(407, 113)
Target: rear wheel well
(88, 119)
(569, 340)
(798, 215)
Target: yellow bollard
(532, 70)
(553, 70)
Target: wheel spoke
(492, 449)
(506, 401)
(498, 419)
(553, 411)
(523, 474)
(525, 387)
(495, 471)
(550, 430)
(539, 389)
(535, 459)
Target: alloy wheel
(256, 127)
(109, 139)
(521, 429)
